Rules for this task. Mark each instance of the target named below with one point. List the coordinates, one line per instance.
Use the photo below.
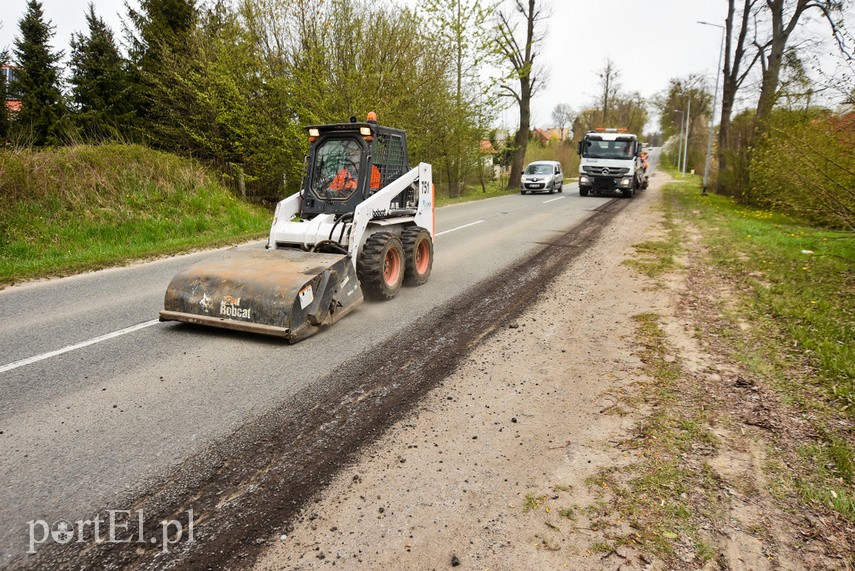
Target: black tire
(629, 193)
(583, 191)
(552, 188)
(418, 255)
(561, 187)
(522, 192)
(380, 266)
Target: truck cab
(610, 162)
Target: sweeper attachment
(361, 225)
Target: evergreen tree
(163, 33)
(4, 92)
(99, 80)
(42, 107)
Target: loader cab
(347, 163)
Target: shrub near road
(87, 207)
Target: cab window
(335, 174)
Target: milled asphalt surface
(93, 428)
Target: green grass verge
(799, 282)
(796, 292)
(80, 208)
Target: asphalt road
(91, 415)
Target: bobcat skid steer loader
(361, 225)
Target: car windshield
(538, 169)
(335, 174)
(607, 149)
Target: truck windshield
(594, 149)
(335, 174)
(538, 169)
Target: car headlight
(583, 179)
(626, 181)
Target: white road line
(458, 228)
(80, 345)
(554, 199)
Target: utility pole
(688, 124)
(680, 138)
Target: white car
(542, 176)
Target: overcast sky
(650, 42)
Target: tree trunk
(772, 71)
(732, 80)
(521, 139)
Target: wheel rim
(392, 267)
(422, 257)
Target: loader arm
(286, 210)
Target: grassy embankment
(80, 208)
(795, 285)
(788, 321)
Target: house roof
(487, 147)
(540, 134)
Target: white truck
(611, 162)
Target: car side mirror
(579, 148)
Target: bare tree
(609, 87)
(562, 117)
(785, 16)
(521, 55)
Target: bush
(804, 166)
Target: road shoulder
(492, 469)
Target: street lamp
(680, 139)
(715, 100)
(688, 124)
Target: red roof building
(13, 104)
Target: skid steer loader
(361, 225)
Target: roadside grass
(84, 207)
(659, 496)
(792, 324)
(532, 502)
(789, 323)
(658, 257)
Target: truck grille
(605, 171)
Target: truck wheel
(380, 266)
(583, 191)
(418, 255)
